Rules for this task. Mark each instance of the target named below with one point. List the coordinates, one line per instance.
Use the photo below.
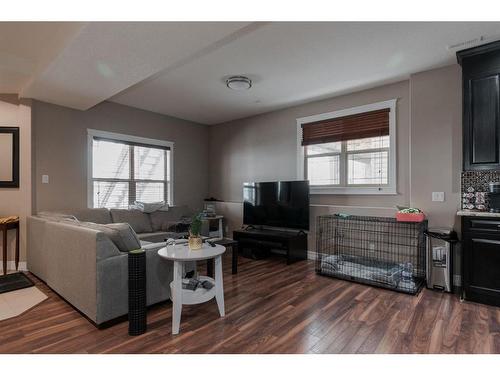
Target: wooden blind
(360, 125)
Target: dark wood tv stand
(294, 244)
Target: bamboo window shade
(357, 126)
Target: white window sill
(342, 190)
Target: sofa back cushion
(121, 234)
(163, 220)
(94, 215)
(139, 221)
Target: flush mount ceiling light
(239, 83)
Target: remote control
(207, 285)
(190, 284)
(211, 243)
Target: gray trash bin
(440, 242)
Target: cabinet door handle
(484, 222)
(486, 241)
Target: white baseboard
(11, 266)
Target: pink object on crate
(416, 218)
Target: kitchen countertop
(478, 213)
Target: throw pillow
(121, 234)
(149, 207)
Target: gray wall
(436, 142)
(428, 150)
(60, 150)
(17, 201)
(264, 147)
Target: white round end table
(179, 254)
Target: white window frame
(91, 133)
(390, 188)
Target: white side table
(180, 254)
(220, 230)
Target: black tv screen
(282, 204)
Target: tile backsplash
(474, 188)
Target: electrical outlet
(45, 179)
(438, 196)
(371, 246)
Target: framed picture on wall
(9, 157)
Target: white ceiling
(26, 48)
(179, 69)
(106, 58)
(292, 63)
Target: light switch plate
(438, 196)
(45, 179)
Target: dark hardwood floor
(272, 308)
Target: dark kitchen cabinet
(481, 260)
(481, 105)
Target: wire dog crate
(377, 251)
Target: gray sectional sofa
(78, 255)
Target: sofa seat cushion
(154, 246)
(159, 236)
(94, 215)
(121, 234)
(138, 220)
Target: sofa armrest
(72, 254)
(36, 254)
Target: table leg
(17, 248)
(235, 259)
(4, 251)
(177, 298)
(221, 229)
(219, 287)
(210, 268)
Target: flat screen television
(283, 204)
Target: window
(350, 151)
(124, 169)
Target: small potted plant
(195, 242)
(410, 214)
